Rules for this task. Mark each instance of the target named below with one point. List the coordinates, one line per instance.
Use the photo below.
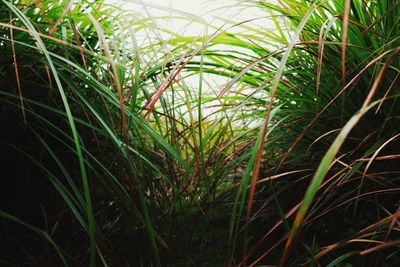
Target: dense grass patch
(126, 144)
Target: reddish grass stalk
(344, 37)
(21, 99)
(381, 246)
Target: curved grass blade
(89, 210)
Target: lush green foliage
(122, 151)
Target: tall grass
(128, 144)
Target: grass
(126, 144)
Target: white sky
(196, 17)
(209, 11)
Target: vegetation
(243, 146)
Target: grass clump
(243, 146)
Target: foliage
(242, 146)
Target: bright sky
(209, 11)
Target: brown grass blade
(381, 246)
(21, 99)
(344, 37)
(366, 231)
(392, 223)
(58, 21)
(371, 160)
